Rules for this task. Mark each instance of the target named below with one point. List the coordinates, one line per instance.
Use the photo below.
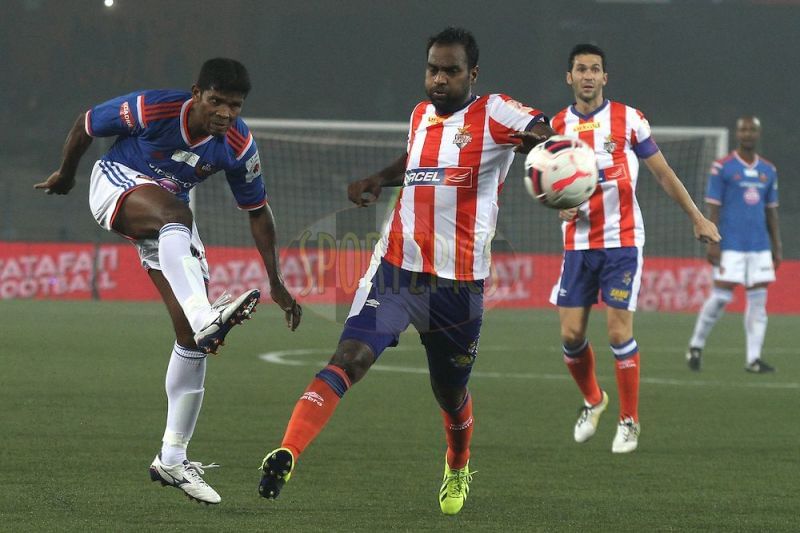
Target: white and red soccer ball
(561, 172)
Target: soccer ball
(561, 172)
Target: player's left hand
(777, 257)
(706, 231)
(292, 309)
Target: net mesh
(308, 165)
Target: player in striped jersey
(603, 240)
(428, 269)
(743, 196)
(168, 142)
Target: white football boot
(185, 476)
(627, 438)
(229, 313)
(588, 418)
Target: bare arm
(704, 229)
(366, 191)
(63, 180)
(712, 248)
(774, 235)
(262, 227)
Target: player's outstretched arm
(704, 229)
(63, 180)
(262, 226)
(366, 191)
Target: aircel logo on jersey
(613, 173)
(450, 176)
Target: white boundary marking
(289, 358)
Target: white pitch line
(287, 358)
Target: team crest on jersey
(751, 196)
(463, 137)
(610, 145)
(763, 177)
(737, 177)
(627, 278)
(204, 170)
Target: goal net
(309, 163)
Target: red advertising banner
(325, 276)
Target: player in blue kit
(742, 198)
(167, 142)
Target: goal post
(309, 163)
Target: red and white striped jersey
(445, 218)
(620, 135)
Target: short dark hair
(223, 74)
(451, 35)
(586, 48)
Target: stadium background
(81, 383)
(699, 63)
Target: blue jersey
(743, 191)
(153, 138)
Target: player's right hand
(56, 183)
(364, 192)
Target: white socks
(711, 312)
(755, 322)
(184, 384)
(184, 273)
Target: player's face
(215, 111)
(448, 78)
(748, 132)
(587, 78)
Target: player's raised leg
(153, 213)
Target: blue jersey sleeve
(246, 178)
(118, 116)
(716, 184)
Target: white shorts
(745, 268)
(110, 183)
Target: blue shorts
(446, 313)
(614, 272)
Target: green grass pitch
(82, 411)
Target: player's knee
(571, 336)
(176, 214)
(449, 397)
(354, 357)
